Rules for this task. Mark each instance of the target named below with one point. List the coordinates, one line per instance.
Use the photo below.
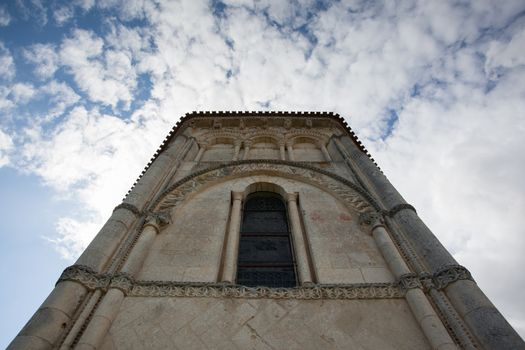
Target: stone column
(46, 326)
(158, 171)
(326, 155)
(247, 145)
(423, 311)
(236, 150)
(300, 247)
(109, 306)
(289, 148)
(482, 318)
(202, 148)
(44, 329)
(281, 151)
(229, 270)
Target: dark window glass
(265, 253)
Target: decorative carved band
(439, 280)
(450, 274)
(216, 290)
(129, 207)
(86, 276)
(91, 280)
(397, 208)
(409, 281)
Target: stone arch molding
(350, 194)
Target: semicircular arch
(350, 194)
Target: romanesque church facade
(270, 230)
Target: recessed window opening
(265, 251)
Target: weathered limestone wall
(190, 249)
(215, 323)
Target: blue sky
(89, 88)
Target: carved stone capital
(237, 196)
(158, 220)
(371, 220)
(292, 197)
(409, 281)
(247, 143)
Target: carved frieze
(131, 287)
(356, 291)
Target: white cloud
(74, 236)
(33, 10)
(5, 18)
(22, 92)
(7, 64)
(44, 57)
(6, 145)
(83, 160)
(63, 14)
(106, 76)
(61, 96)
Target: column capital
(203, 144)
(289, 144)
(292, 197)
(237, 196)
(158, 220)
(371, 220)
(247, 143)
(237, 143)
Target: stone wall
(218, 323)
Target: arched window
(265, 252)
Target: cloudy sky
(88, 90)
